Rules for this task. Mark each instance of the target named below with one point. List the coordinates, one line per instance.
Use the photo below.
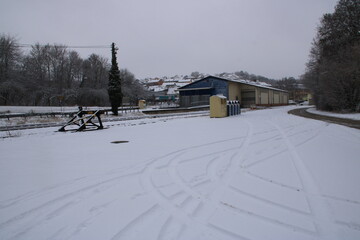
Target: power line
(26, 45)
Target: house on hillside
(249, 93)
(154, 82)
(301, 93)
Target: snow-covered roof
(243, 81)
(221, 96)
(156, 88)
(184, 80)
(153, 80)
(166, 84)
(256, 84)
(172, 91)
(181, 84)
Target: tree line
(53, 75)
(333, 69)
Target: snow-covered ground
(261, 175)
(37, 109)
(355, 116)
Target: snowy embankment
(35, 109)
(354, 116)
(260, 175)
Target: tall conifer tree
(114, 87)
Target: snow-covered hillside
(261, 175)
(171, 84)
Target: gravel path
(342, 121)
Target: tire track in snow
(36, 216)
(265, 201)
(211, 203)
(268, 219)
(36, 194)
(192, 204)
(341, 199)
(350, 225)
(315, 130)
(271, 203)
(166, 203)
(273, 181)
(179, 207)
(145, 217)
(322, 215)
(265, 158)
(171, 229)
(47, 210)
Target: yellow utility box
(218, 107)
(142, 104)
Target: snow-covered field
(355, 116)
(261, 175)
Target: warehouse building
(249, 93)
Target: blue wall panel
(218, 87)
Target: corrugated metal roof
(255, 84)
(192, 89)
(246, 82)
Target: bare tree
(74, 71)
(333, 69)
(195, 74)
(53, 75)
(11, 89)
(10, 57)
(132, 88)
(95, 72)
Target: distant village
(166, 88)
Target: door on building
(276, 98)
(264, 97)
(247, 98)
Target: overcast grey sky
(168, 37)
